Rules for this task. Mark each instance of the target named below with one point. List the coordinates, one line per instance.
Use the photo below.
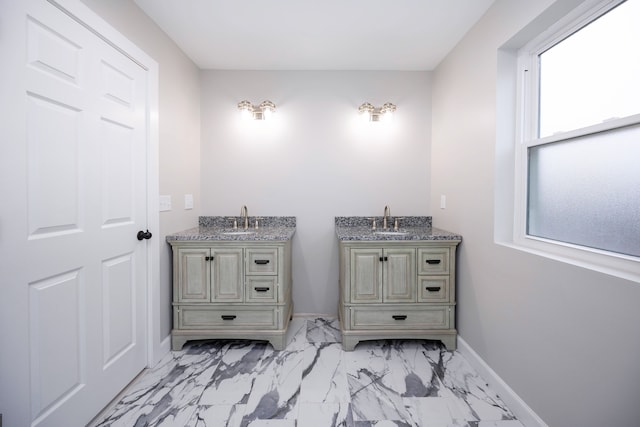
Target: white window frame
(616, 264)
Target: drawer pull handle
(399, 316)
(433, 288)
(262, 261)
(433, 261)
(265, 289)
(228, 316)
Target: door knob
(144, 235)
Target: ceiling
(316, 35)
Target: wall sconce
(371, 114)
(261, 112)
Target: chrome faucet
(244, 215)
(385, 217)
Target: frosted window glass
(586, 191)
(592, 76)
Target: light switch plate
(443, 201)
(188, 201)
(165, 203)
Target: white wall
(563, 337)
(316, 160)
(179, 123)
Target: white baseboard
(520, 409)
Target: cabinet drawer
(398, 317)
(261, 288)
(433, 288)
(262, 261)
(197, 317)
(433, 261)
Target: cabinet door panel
(227, 274)
(399, 275)
(193, 275)
(366, 275)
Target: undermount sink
(390, 233)
(236, 233)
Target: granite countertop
(219, 228)
(410, 228)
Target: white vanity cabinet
(231, 289)
(397, 289)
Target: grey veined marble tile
(233, 380)
(471, 395)
(325, 414)
(296, 338)
(323, 330)
(311, 383)
(168, 392)
(217, 416)
(323, 377)
(277, 387)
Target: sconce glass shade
(246, 110)
(366, 111)
(267, 108)
(387, 110)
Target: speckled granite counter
(358, 228)
(219, 228)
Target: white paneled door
(74, 196)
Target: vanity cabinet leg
(177, 342)
(450, 343)
(349, 343)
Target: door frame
(94, 23)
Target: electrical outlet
(443, 201)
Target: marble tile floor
(312, 383)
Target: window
(579, 153)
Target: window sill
(617, 265)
